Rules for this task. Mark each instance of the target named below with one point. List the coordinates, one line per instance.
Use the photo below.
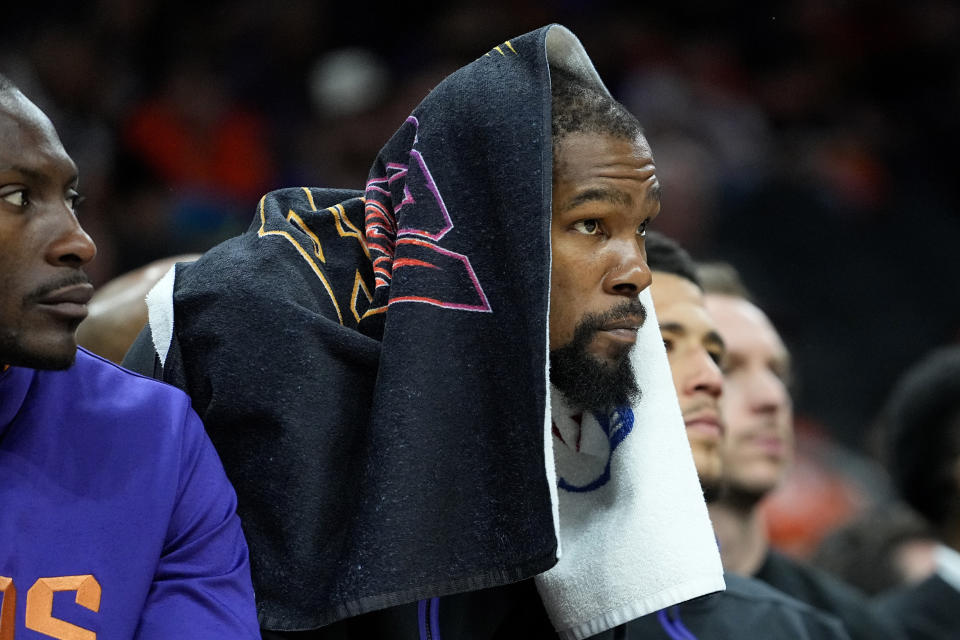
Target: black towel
(372, 366)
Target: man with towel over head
(444, 401)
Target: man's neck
(742, 535)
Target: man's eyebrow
(673, 327)
(613, 196)
(38, 176)
(714, 338)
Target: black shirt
(829, 594)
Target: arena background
(811, 143)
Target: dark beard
(586, 382)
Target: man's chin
(592, 383)
(51, 357)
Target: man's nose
(705, 375)
(768, 393)
(71, 246)
(629, 273)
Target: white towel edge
(160, 313)
(668, 597)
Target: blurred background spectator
(883, 549)
(808, 142)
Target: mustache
(593, 322)
(77, 277)
(702, 405)
(764, 428)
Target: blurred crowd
(810, 143)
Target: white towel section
(160, 313)
(643, 540)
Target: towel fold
(634, 528)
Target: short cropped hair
(722, 278)
(921, 427)
(666, 256)
(580, 108)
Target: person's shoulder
(91, 365)
(831, 594)
(279, 247)
(746, 609)
(778, 613)
(926, 609)
(750, 589)
(817, 580)
(96, 406)
(303, 250)
(112, 390)
(932, 588)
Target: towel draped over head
(373, 367)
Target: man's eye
(589, 227)
(731, 368)
(17, 198)
(75, 200)
(716, 357)
(668, 344)
(783, 373)
(642, 229)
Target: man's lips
(631, 323)
(69, 301)
(770, 445)
(624, 330)
(706, 422)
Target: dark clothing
(502, 613)
(747, 610)
(927, 611)
(829, 594)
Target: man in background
(758, 414)
(748, 608)
(921, 423)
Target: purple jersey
(116, 518)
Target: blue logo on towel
(617, 426)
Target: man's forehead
(669, 289)
(680, 304)
(742, 322)
(574, 144)
(29, 143)
(603, 167)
